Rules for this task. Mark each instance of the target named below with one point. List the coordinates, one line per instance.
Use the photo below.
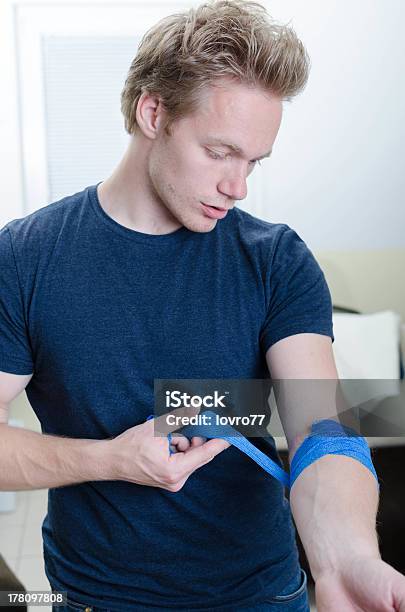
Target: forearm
(30, 460)
(334, 503)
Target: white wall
(336, 173)
(11, 187)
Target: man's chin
(202, 227)
(194, 220)
(199, 224)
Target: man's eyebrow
(233, 147)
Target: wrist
(347, 566)
(339, 564)
(98, 457)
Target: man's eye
(218, 156)
(215, 155)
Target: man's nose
(234, 187)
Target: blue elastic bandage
(330, 438)
(327, 438)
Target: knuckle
(209, 458)
(171, 478)
(174, 488)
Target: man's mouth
(214, 212)
(217, 207)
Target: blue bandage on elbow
(330, 438)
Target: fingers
(182, 464)
(197, 441)
(179, 443)
(199, 455)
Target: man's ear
(151, 116)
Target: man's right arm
(31, 460)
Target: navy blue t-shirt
(97, 311)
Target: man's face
(192, 170)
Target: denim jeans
(293, 598)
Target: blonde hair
(186, 52)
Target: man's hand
(139, 456)
(365, 584)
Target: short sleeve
(299, 297)
(15, 351)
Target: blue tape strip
(328, 437)
(226, 432)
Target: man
(155, 273)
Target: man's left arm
(334, 500)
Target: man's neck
(127, 198)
